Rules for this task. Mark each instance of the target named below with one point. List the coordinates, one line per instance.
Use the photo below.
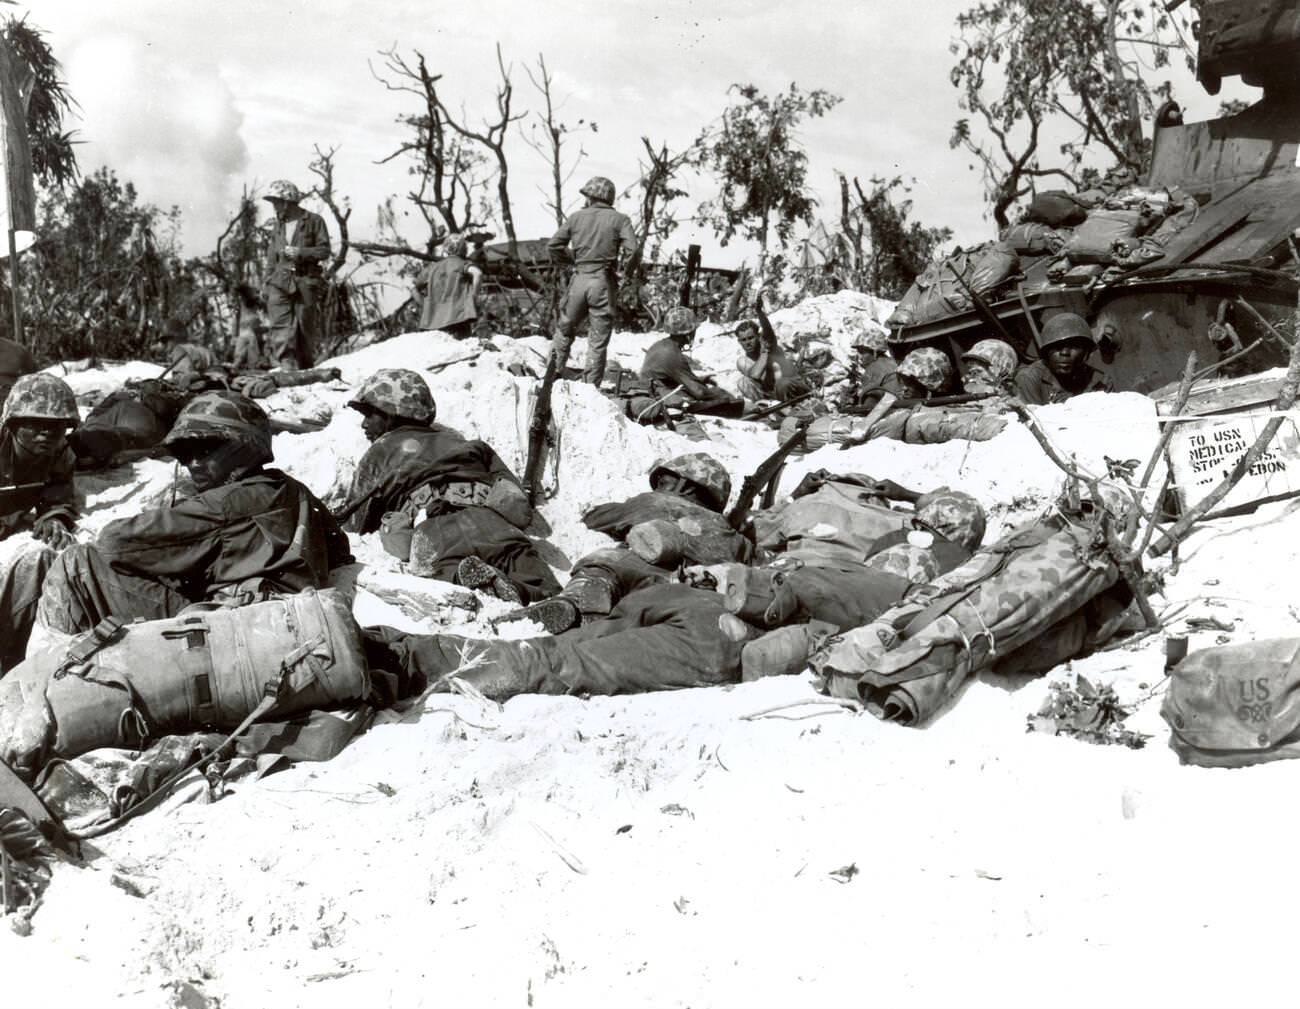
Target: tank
(1237, 179)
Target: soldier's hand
(293, 251)
(54, 532)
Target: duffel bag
(1236, 705)
(1094, 241)
(909, 662)
(122, 685)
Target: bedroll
(198, 670)
(1236, 705)
(907, 663)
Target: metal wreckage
(1196, 262)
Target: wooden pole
(5, 126)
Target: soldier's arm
(58, 497)
(177, 541)
(314, 240)
(557, 247)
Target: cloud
(171, 126)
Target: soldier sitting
(247, 534)
(1062, 369)
(446, 504)
(766, 371)
(36, 494)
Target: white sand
(662, 849)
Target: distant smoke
(169, 125)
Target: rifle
(765, 475)
(906, 404)
(349, 509)
(882, 407)
(732, 409)
(537, 430)
(20, 497)
(769, 410)
(981, 306)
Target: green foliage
(54, 162)
(899, 248)
(106, 273)
(761, 167)
(1083, 66)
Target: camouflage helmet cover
(1064, 327)
(680, 321)
(40, 397)
(952, 514)
(929, 367)
(224, 416)
(398, 392)
(867, 335)
(906, 560)
(998, 356)
(599, 188)
(702, 470)
(283, 189)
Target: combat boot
(556, 614)
(475, 573)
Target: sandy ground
(751, 845)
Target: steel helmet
(398, 392)
(599, 188)
(906, 560)
(868, 336)
(224, 416)
(40, 397)
(952, 514)
(927, 366)
(1064, 327)
(283, 189)
(680, 321)
(702, 470)
(998, 356)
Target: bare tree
(551, 147)
(493, 137)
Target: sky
(192, 101)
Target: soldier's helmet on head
(397, 392)
(283, 189)
(868, 336)
(40, 397)
(702, 470)
(680, 321)
(598, 188)
(952, 514)
(929, 367)
(1065, 327)
(997, 357)
(224, 417)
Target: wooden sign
(1203, 451)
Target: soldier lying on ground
(678, 521)
(1062, 369)
(446, 504)
(990, 368)
(247, 534)
(36, 494)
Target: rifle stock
(537, 430)
(762, 476)
(906, 404)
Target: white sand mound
(673, 849)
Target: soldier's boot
(594, 597)
(556, 614)
(497, 681)
(475, 573)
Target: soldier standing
(594, 237)
(293, 284)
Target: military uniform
(260, 534)
(294, 287)
(1037, 385)
(663, 637)
(24, 564)
(447, 287)
(440, 498)
(597, 235)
